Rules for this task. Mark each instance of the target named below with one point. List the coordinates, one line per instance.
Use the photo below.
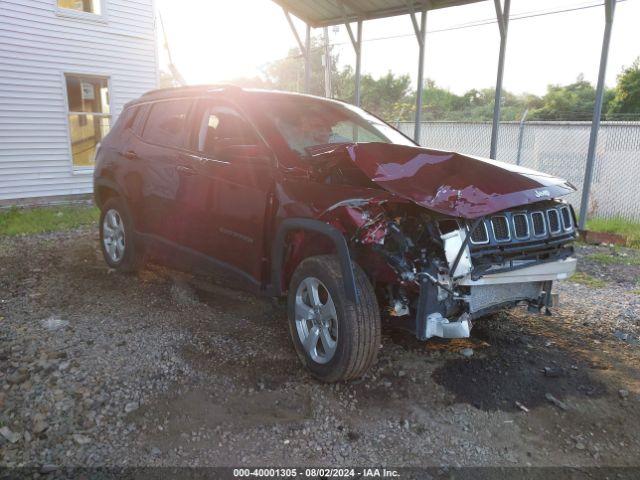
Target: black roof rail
(191, 89)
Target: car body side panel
(304, 198)
(241, 197)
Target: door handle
(186, 170)
(131, 155)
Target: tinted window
(223, 127)
(128, 117)
(167, 123)
(308, 123)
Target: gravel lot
(161, 368)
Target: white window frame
(86, 16)
(84, 170)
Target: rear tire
(334, 338)
(117, 236)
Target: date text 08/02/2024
(315, 472)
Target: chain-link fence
(558, 148)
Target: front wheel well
(323, 230)
(103, 194)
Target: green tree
(391, 97)
(570, 102)
(288, 73)
(626, 97)
(382, 96)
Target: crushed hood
(452, 183)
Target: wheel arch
(318, 227)
(103, 190)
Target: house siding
(39, 43)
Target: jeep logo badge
(542, 193)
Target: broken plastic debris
(438, 326)
(556, 402)
(54, 323)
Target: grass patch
(626, 228)
(26, 221)
(609, 259)
(588, 280)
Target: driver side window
(349, 131)
(221, 127)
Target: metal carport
(323, 13)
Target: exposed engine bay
(443, 273)
(435, 273)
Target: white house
(67, 67)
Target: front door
(236, 189)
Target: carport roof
(323, 13)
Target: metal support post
(502, 13)
(521, 135)
(610, 6)
(421, 36)
(327, 64)
(356, 41)
(305, 49)
(307, 62)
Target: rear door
(160, 154)
(234, 189)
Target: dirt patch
(520, 368)
(166, 369)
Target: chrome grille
(521, 225)
(500, 228)
(480, 234)
(554, 220)
(567, 224)
(539, 226)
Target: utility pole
(502, 13)
(609, 6)
(326, 60)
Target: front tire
(117, 236)
(334, 338)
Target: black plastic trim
(342, 249)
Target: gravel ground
(161, 368)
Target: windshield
(306, 123)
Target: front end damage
(435, 273)
(445, 237)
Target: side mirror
(245, 153)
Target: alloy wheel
(316, 320)
(113, 237)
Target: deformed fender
(277, 252)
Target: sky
(215, 41)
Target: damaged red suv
(328, 205)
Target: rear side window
(167, 123)
(128, 117)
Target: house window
(89, 116)
(87, 6)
